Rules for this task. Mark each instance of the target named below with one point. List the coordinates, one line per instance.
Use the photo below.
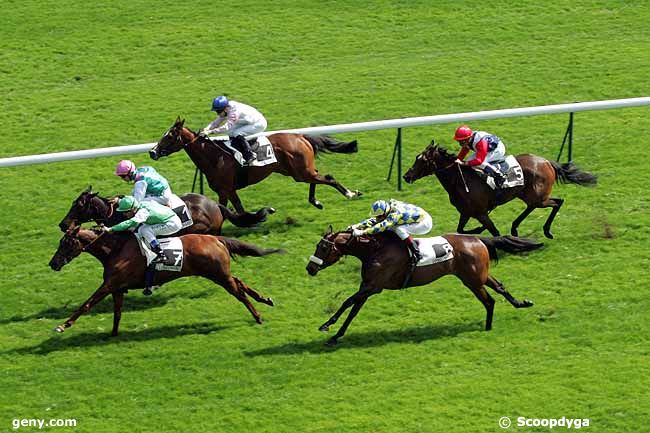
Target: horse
(473, 198)
(208, 215)
(295, 154)
(124, 266)
(385, 264)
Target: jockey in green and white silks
(150, 220)
(149, 184)
(402, 218)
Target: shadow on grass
(131, 303)
(99, 338)
(371, 339)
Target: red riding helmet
(463, 133)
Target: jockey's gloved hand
(357, 232)
(203, 133)
(458, 161)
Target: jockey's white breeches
(248, 129)
(420, 228)
(168, 199)
(149, 232)
(498, 154)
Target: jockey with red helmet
(487, 148)
(239, 120)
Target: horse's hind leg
(252, 293)
(498, 287)
(233, 288)
(556, 204)
(315, 178)
(462, 222)
(312, 196)
(520, 219)
(118, 299)
(487, 301)
(488, 224)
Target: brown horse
(203, 255)
(473, 198)
(295, 154)
(385, 263)
(208, 215)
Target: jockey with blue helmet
(402, 218)
(238, 120)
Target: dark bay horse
(295, 154)
(385, 263)
(208, 215)
(203, 255)
(539, 176)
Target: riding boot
(149, 273)
(415, 251)
(240, 143)
(498, 177)
(160, 255)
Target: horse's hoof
(317, 204)
(270, 302)
(332, 342)
(526, 303)
(60, 329)
(271, 210)
(548, 234)
(514, 232)
(358, 193)
(324, 328)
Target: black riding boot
(498, 177)
(240, 143)
(149, 273)
(415, 250)
(155, 247)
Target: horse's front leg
(236, 202)
(462, 222)
(99, 294)
(118, 299)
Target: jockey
(487, 148)
(239, 120)
(402, 218)
(149, 184)
(150, 220)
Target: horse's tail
(570, 173)
(509, 244)
(323, 143)
(245, 249)
(246, 219)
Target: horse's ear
(95, 194)
(329, 230)
(182, 122)
(433, 143)
(178, 119)
(90, 188)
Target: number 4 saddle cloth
(173, 249)
(262, 149)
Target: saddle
(510, 168)
(261, 147)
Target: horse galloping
(295, 154)
(385, 263)
(124, 266)
(208, 216)
(473, 198)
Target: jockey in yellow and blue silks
(149, 185)
(402, 218)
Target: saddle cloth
(173, 249)
(261, 147)
(434, 250)
(511, 170)
(180, 208)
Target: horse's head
(173, 140)
(81, 210)
(70, 246)
(328, 251)
(432, 159)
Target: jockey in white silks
(238, 120)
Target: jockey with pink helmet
(488, 148)
(149, 184)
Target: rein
(92, 242)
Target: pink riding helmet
(124, 167)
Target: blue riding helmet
(380, 207)
(219, 103)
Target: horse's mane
(446, 153)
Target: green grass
(76, 75)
